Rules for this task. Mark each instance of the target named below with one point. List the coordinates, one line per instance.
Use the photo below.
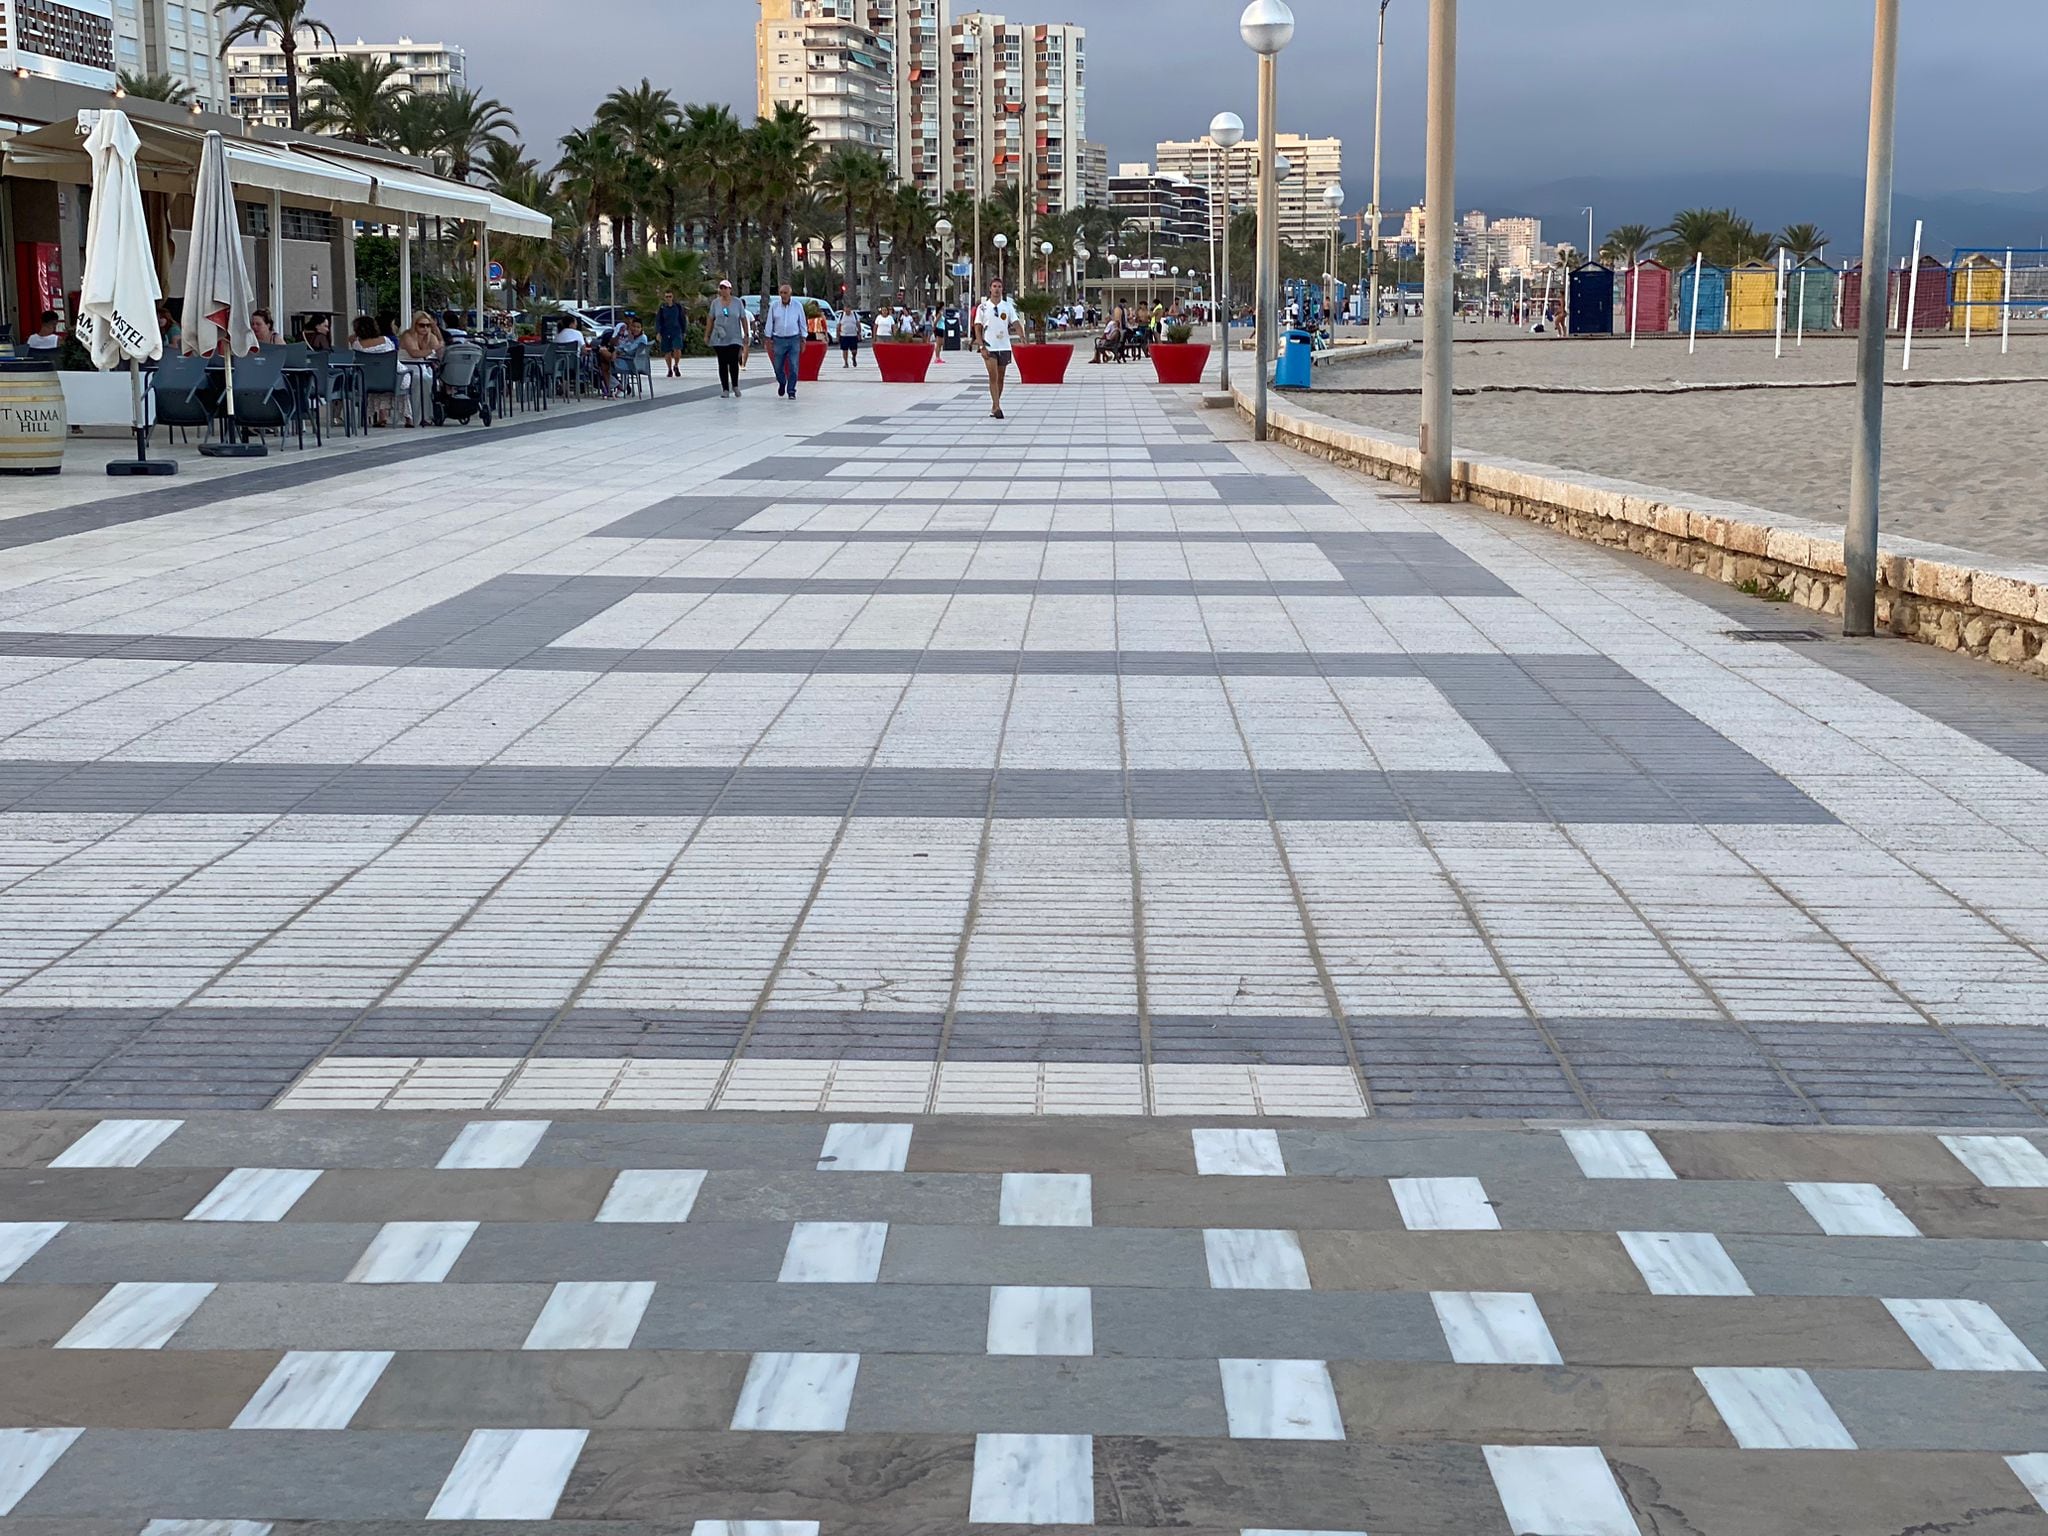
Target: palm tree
(470, 123)
(1625, 244)
(1742, 241)
(155, 88)
(506, 163)
(1693, 233)
(911, 217)
(590, 170)
(779, 157)
(414, 126)
(1804, 242)
(354, 97)
(659, 272)
(637, 118)
(713, 138)
(288, 19)
(848, 177)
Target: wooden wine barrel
(32, 423)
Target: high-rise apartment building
(1020, 106)
(166, 37)
(1172, 209)
(1094, 174)
(870, 73)
(1304, 217)
(71, 40)
(255, 71)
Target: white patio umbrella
(217, 294)
(118, 298)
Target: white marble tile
(137, 1314)
(1444, 1205)
(2031, 1469)
(754, 1528)
(1041, 1320)
(1249, 1259)
(21, 1241)
(591, 1314)
(1495, 1328)
(254, 1194)
(1048, 1200)
(412, 1252)
(25, 1455)
(207, 1528)
(509, 1474)
(834, 1253)
(1033, 1480)
(1280, 1400)
(1852, 1210)
(658, 1195)
(1684, 1264)
(1958, 1335)
(494, 1144)
(863, 1146)
(1768, 1408)
(1558, 1490)
(797, 1392)
(1609, 1152)
(1239, 1153)
(116, 1144)
(2001, 1162)
(314, 1389)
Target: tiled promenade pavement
(688, 1324)
(1101, 857)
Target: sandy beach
(1964, 465)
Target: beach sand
(1965, 466)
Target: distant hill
(1770, 200)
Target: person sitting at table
(264, 331)
(628, 347)
(44, 340)
(167, 324)
(419, 347)
(318, 334)
(369, 337)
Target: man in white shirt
(993, 318)
(44, 340)
(783, 321)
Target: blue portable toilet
(1293, 369)
(1590, 303)
(1713, 285)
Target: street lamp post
(1002, 243)
(1267, 26)
(1859, 544)
(1333, 199)
(1440, 277)
(1589, 234)
(944, 230)
(1081, 254)
(1226, 132)
(973, 26)
(1045, 250)
(1379, 91)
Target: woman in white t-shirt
(993, 318)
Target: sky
(1614, 88)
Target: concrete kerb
(1927, 592)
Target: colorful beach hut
(1929, 301)
(1851, 290)
(1646, 299)
(1713, 286)
(1591, 304)
(1977, 303)
(1811, 291)
(1753, 297)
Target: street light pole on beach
(1226, 132)
(1267, 26)
(1440, 277)
(1333, 199)
(1859, 543)
(1379, 92)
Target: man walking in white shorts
(993, 318)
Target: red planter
(812, 363)
(903, 362)
(1180, 362)
(1042, 362)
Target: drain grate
(1777, 636)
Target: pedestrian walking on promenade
(670, 322)
(726, 333)
(849, 339)
(783, 324)
(993, 318)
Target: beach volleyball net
(1993, 289)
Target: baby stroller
(459, 390)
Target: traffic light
(803, 254)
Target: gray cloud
(1598, 87)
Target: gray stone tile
(681, 1255)
(1266, 1325)
(111, 1251)
(1097, 1256)
(555, 1389)
(1939, 1410)
(734, 1142)
(1972, 1268)
(939, 1199)
(259, 1316)
(1426, 1153)
(950, 1394)
(866, 1319)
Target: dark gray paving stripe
(986, 587)
(684, 526)
(292, 471)
(367, 789)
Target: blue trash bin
(1293, 369)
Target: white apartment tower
(1305, 219)
(826, 57)
(71, 41)
(1020, 106)
(166, 37)
(255, 71)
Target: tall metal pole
(1379, 93)
(974, 284)
(1224, 381)
(1859, 543)
(1214, 334)
(1440, 277)
(1267, 287)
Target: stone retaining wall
(1944, 597)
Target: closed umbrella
(217, 294)
(117, 301)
